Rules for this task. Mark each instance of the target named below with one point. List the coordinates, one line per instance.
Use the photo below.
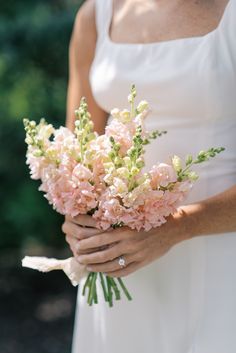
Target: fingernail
(89, 269)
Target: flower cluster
(82, 172)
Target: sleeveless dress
(185, 302)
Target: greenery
(34, 38)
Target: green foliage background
(34, 38)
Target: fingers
(103, 239)
(83, 220)
(132, 267)
(113, 265)
(72, 241)
(79, 232)
(100, 257)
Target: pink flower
(69, 189)
(121, 134)
(36, 164)
(162, 174)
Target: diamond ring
(121, 261)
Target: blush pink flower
(121, 134)
(161, 175)
(36, 164)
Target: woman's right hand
(79, 228)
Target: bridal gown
(185, 302)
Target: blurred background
(36, 310)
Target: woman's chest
(152, 21)
(182, 79)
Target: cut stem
(110, 294)
(125, 290)
(103, 286)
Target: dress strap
(227, 30)
(103, 9)
(229, 16)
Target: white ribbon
(74, 271)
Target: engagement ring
(121, 261)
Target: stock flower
(36, 163)
(83, 173)
(162, 175)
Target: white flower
(177, 164)
(143, 105)
(192, 176)
(123, 172)
(125, 116)
(119, 187)
(115, 113)
(45, 131)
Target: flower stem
(125, 290)
(115, 288)
(92, 289)
(87, 284)
(110, 294)
(109, 287)
(103, 287)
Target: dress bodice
(190, 84)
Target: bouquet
(103, 176)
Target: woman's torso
(184, 302)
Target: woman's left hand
(136, 248)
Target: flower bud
(108, 165)
(77, 113)
(130, 98)
(32, 123)
(125, 116)
(192, 176)
(29, 140)
(112, 155)
(140, 163)
(115, 113)
(38, 153)
(177, 164)
(79, 134)
(189, 159)
(118, 162)
(134, 170)
(127, 161)
(202, 154)
(143, 105)
(91, 137)
(123, 172)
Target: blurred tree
(34, 38)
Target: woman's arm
(81, 54)
(215, 215)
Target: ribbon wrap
(74, 271)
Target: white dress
(184, 302)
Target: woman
(181, 54)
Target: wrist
(189, 222)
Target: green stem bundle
(110, 287)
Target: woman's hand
(100, 251)
(137, 248)
(79, 228)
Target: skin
(136, 21)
